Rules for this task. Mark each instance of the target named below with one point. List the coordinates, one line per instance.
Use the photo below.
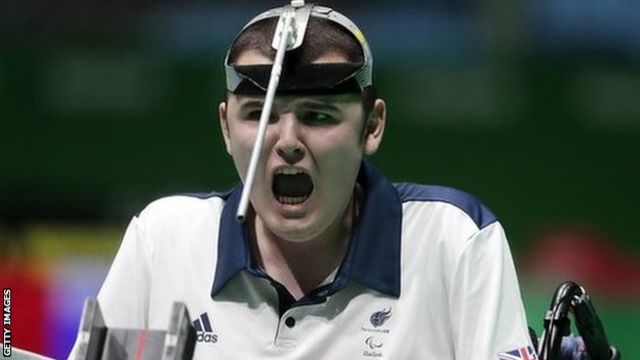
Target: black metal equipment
(556, 343)
(98, 342)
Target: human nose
(289, 147)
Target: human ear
(375, 127)
(224, 125)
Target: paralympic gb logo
(377, 334)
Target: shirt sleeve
(488, 316)
(124, 296)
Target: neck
(303, 266)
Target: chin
(294, 231)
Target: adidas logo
(204, 331)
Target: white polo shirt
(428, 275)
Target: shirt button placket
(286, 336)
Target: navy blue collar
(373, 257)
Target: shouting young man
(332, 260)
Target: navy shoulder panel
(479, 213)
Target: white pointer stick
(265, 115)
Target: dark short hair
(322, 36)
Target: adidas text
(205, 337)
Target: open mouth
(291, 186)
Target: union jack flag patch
(523, 353)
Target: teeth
(289, 200)
(288, 171)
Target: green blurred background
(532, 106)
